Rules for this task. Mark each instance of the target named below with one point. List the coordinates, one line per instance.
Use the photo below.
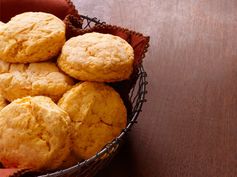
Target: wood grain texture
(188, 127)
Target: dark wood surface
(188, 127)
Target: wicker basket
(134, 100)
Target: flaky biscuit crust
(34, 134)
(20, 80)
(97, 57)
(98, 115)
(31, 37)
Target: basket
(134, 101)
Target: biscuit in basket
(20, 80)
(98, 115)
(34, 134)
(31, 37)
(97, 57)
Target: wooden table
(188, 127)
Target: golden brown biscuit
(34, 134)
(97, 57)
(20, 80)
(98, 115)
(31, 37)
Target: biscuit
(98, 115)
(34, 134)
(31, 37)
(97, 57)
(20, 80)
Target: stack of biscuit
(55, 106)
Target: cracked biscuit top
(34, 134)
(98, 115)
(31, 37)
(20, 80)
(97, 57)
